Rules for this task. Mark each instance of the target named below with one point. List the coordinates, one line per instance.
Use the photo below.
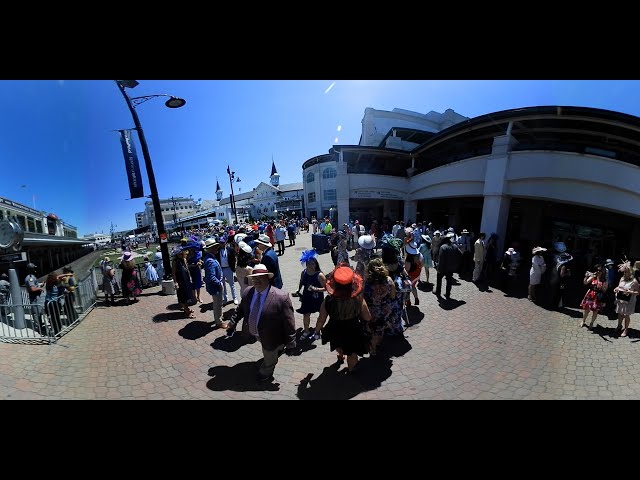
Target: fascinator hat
(391, 243)
(308, 255)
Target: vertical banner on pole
(131, 163)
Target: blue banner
(131, 163)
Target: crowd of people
(375, 278)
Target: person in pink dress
(594, 299)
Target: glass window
(329, 173)
(330, 195)
(311, 197)
(310, 177)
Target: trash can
(320, 242)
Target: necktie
(253, 316)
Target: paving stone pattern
(481, 345)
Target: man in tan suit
(268, 314)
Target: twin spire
(275, 180)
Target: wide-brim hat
(245, 247)
(239, 237)
(210, 242)
(450, 235)
(367, 242)
(538, 249)
(560, 247)
(426, 238)
(127, 257)
(264, 240)
(260, 270)
(464, 230)
(343, 282)
(564, 258)
(411, 248)
(437, 232)
(608, 262)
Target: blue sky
(59, 152)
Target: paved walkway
(481, 346)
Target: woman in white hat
(130, 280)
(243, 267)
(626, 293)
(413, 265)
(425, 251)
(364, 253)
(538, 267)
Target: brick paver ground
(483, 345)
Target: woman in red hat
(346, 309)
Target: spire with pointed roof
(275, 176)
(218, 190)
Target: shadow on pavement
(239, 378)
(233, 343)
(568, 312)
(425, 286)
(174, 306)
(166, 317)
(415, 315)
(394, 346)
(450, 304)
(332, 384)
(197, 329)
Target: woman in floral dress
(380, 294)
(594, 299)
(391, 247)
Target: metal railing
(46, 321)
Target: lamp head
(175, 102)
(128, 83)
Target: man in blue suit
(269, 259)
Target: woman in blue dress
(313, 281)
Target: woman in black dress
(346, 309)
(182, 281)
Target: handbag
(623, 296)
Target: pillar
(495, 211)
(495, 214)
(410, 209)
(342, 193)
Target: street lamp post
(173, 102)
(232, 176)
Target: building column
(495, 211)
(342, 194)
(410, 209)
(495, 214)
